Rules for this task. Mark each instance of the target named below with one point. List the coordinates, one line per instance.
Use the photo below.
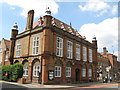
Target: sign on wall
(51, 75)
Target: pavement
(60, 86)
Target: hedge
(12, 72)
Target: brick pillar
(64, 47)
(87, 76)
(3, 57)
(81, 52)
(74, 49)
(54, 43)
(73, 74)
(95, 61)
(12, 43)
(44, 71)
(63, 74)
(80, 73)
(30, 74)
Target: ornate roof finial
(48, 11)
(15, 26)
(94, 38)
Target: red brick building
(53, 52)
(103, 63)
(4, 51)
(113, 63)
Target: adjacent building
(4, 52)
(113, 63)
(103, 63)
(53, 52)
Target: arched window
(36, 68)
(25, 67)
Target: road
(110, 86)
(114, 86)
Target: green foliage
(17, 71)
(14, 72)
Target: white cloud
(98, 6)
(102, 12)
(38, 5)
(94, 5)
(12, 8)
(105, 31)
(114, 10)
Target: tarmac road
(101, 86)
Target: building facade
(4, 52)
(53, 52)
(113, 64)
(103, 63)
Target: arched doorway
(25, 68)
(36, 71)
(77, 74)
(16, 61)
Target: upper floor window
(6, 57)
(18, 48)
(57, 71)
(69, 49)
(77, 52)
(84, 53)
(59, 51)
(35, 45)
(90, 55)
(68, 71)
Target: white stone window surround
(59, 47)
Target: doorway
(77, 72)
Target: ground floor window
(90, 72)
(36, 70)
(25, 71)
(83, 72)
(57, 71)
(68, 71)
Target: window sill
(36, 76)
(58, 76)
(25, 75)
(59, 56)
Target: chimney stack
(30, 18)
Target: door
(77, 71)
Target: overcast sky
(89, 17)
